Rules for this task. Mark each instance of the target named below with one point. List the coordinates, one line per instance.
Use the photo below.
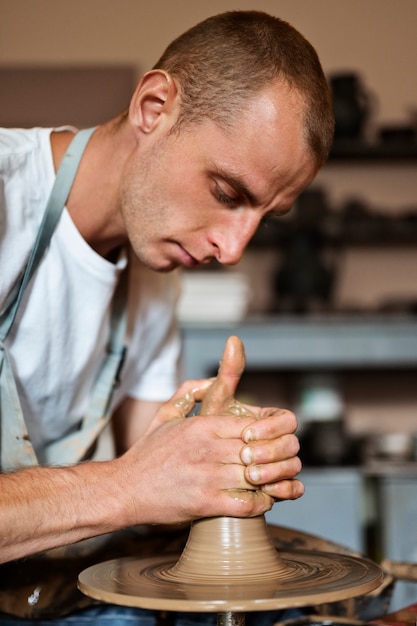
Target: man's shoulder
(26, 175)
(20, 140)
(26, 168)
(25, 152)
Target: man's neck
(93, 202)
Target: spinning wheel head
(230, 565)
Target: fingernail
(246, 455)
(249, 435)
(254, 473)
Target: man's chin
(162, 267)
(157, 265)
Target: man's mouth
(187, 259)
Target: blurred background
(325, 299)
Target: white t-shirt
(58, 340)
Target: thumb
(221, 393)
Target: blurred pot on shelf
(352, 105)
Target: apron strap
(56, 202)
(16, 450)
(79, 444)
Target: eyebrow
(238, 184)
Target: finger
(272, 423)
(238, 503)
(267, 451)
(239, 481)
(219, 399)
(272, 472)
(198, 387)
(184, 399)
(228, 426)
(284, 489)
(249, 503)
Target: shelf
(353, 150)
(366, 233)
(291, 343)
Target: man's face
(199, 195)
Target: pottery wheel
(230, 564)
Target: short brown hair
(227, 58)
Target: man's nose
(230, 240)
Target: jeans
(112, 615)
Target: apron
(45, 585)
(16, 450)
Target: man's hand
(270, 453)
(232, 459)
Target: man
(230, 126)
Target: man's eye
(274, 216)
(230, 201)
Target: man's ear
(154, 102)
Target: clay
(227, 547)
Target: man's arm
(130, 421)
(180, 469)
(42, 508)
(163, 478)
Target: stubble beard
(144, 215)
